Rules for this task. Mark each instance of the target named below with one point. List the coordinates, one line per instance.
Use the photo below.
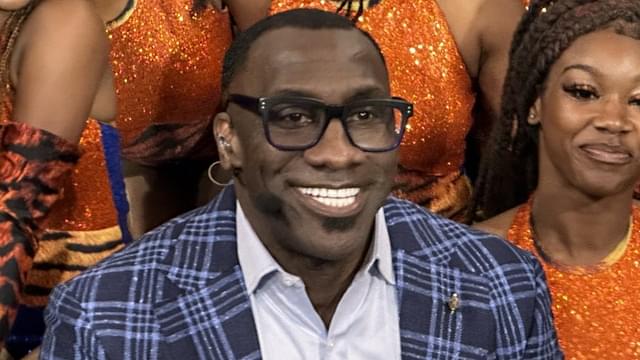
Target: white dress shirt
(365, 324)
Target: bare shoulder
(499, 224)
(474, 22)
(248, 12)
(481, 12)
(497, 16)
(58, 29)
(495, 8)
(66, 18)
(62, 45)
(460, 16)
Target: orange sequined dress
(167, 63)
(596, 309)
(426, 69)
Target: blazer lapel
(204, 310)
(424, 292)
(433, 294)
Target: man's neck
(326, 282)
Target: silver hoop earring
(212, 178)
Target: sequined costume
(595, 309)
(86, 225)
(33, 164)
(427, 69)
(167, 63)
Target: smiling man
(305, 255)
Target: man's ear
(534, 113)
(227, 141)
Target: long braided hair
(8, 36)
(509, 170)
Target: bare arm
(497, 22)
(60, 60)
(482, 30)
(248, 12)
(62, 56)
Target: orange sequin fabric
(426, 69)
(595, 309)
(167, 64)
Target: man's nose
(334, 150)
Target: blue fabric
(111, 149)
(179, 293)
(26, 332)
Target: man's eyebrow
(295, 93)
(365, 92)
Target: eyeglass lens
(370, 126)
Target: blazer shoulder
(141, 260)
(437, 239)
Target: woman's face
(589, 114)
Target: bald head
(299, 19)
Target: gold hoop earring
(212, 178)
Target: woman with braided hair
(439, 54)
(565, 157)
(54, 75)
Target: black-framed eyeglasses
(298, 123)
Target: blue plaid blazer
(179, 293)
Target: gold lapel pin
(454, 302)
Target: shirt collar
(257, 263)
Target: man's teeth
(332, 197)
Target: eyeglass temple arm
(246, 102)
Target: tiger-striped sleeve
(33, 165)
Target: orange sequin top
(426, 69)
(596, 309)
(167, 64)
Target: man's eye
(292, 117)
(298, 118)
(364, 115)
